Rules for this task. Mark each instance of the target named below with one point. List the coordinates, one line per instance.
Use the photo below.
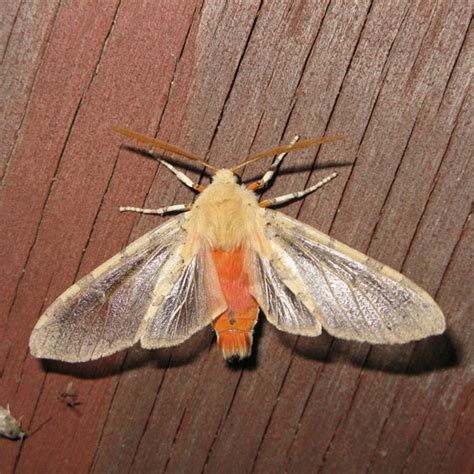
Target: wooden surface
(225, 79)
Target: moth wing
(186, 298)
(350, 294)
(281, 302)
(104, 312)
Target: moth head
(225, 176)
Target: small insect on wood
(70, 396)
(10, 427)
(219, 263)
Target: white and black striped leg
(181, 176)
(160, 211)
(268, 176)
(297, 195)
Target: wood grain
(225, 79)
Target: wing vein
(352, 295)
(365, 296)
(336, 298)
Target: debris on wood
(70, 396)
(10, 427)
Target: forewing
(352, 295)
(103, 312)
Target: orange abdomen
(234, 328)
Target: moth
(10, 427)
(223, 259)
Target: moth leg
(160, 211)
(268, 176)
(297, 195)
(182, 177)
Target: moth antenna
(163, 146)
(287, 148)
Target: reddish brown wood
(23, 41)
(229, 79)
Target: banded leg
(268, 176)
(160, 211)
(181, 176)
(297, 195)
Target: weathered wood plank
(229, 78)
(72, 207)
(24, 35)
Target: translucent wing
(350, 294)
(283, 307)
(186, 298)
(114, 306)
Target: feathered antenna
(163, 146)
(287, 148)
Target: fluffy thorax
(226, 215)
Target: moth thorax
(225, 223)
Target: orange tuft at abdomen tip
(235, 345)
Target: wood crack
(221, 424)
(31, 94)
(343, 416)
(10, 33)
